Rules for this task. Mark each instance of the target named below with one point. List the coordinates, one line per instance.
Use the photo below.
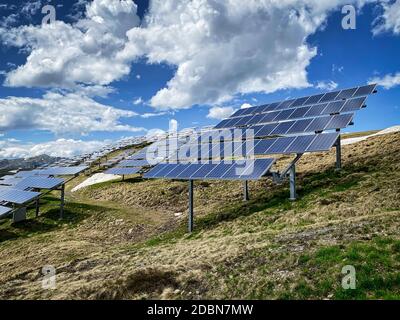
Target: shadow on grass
(321, 184)
(49, 219)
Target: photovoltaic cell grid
(305, 101)
(289, 127)
(4, 210)
(236, 170)
(62, 171)
(17, 196)
(133, 163)
(241, 149)
(298, 113)
(122, 171)
(39, 183)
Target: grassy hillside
(128, 239)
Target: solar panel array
(346, 94)
(17, 196)
(290, 122)
(235, 170)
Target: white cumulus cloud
(70, 113)
(326, 85)
(56, 148)
(388, 81)
(220, 112)
(390, 20)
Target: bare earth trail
(127, 240)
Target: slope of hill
(28, 163)
(128, 239)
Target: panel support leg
(190, 223)
(62, 201)
(37, 207)
(292, 179)
(245, 190)
(338, 154)
(123, 177)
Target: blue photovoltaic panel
(243, 120)
(219, 170)
(260, 168)
(122, 171)
(334, 107)
(17, 196)
(62, 171)
(285, 104)
(282, 128)
(134, 163)
(299, 113)
(154, 171)
(23, 174)
(339, 121)
(318, 124)
(346, 94)
(265, 130)
(314, 99)
(316, 110)
(280, 145)
(330, 96)
(299, 126)
(299, 102)
(365, 90)
(353, 104)
(269, 117)
(176, 170)
(283, 115)
(203, 171)
(300, 144)
(189, 171)
(323, 142)
(263, 145)
(4, 210)
(39, 183)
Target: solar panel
(318, 124)
(299, 102)
(17, 196)
(203, 171)
(4, 210)
(134, 163)
(299, 126)
(122, 171)
(365, 90)
(334, 107)
(280, 145)
(316, 110)
(300, 144)
(330, 96)
(189, 171)
(154, 171)
(353, 104)
(177, 169)
(339, 121)
(283, 115)
(23, 174)
(323, 142)
(39, 183)
(62, 171)
(282, 127)
(256, 170)
(263, 145)
(219, 170)
(347, 94)
(314, 99)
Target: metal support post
(190, 223)
(37, 207)
(245, 190)
(338, 154)
(292, 178)
(62, 201)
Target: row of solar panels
(299, 113)
(235, 170)
(310, 100)
(282, 128)
(19, 189)
(240, 149)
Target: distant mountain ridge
(26, 163)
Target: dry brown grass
(238, 250)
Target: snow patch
(95, 179)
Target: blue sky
(318, 53)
